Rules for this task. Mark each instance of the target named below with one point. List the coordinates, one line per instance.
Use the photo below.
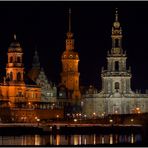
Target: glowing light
(75, 120)
(110, 120)
(94, 113)
(116, 112)
(132, 120)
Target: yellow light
(57, 116)
(94, 113)
(132, 120)
(75, 120)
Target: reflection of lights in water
(102, 140)
(138, 138)
(37, 140)
(85, 141)
(94, 139)
(51, 139)
(116, 138)
(132, 138)
(24, 141)
(110, 139)
(75, 139)
(80, 139)
(57, 139)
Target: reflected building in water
(59, 140)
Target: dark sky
(43, 25)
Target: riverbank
(11, 129)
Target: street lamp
(132, 120)
(111, 121)
(38, 120)
(75, 120)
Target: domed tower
(70, 59)
(15, 66)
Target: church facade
(16, 89)
(116, 96)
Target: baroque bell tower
(70, 59)
(15, 67)
(116, 79)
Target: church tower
(116, 79)
(15, 66)
(70, 59)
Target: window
(11, 76)
(18, 59)
(11, 59)
(116, 43)
(117, 85)
(116, 66)
(18, 76)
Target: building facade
(37, 74)
(116, 96)
(15, 88)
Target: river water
(75, 139)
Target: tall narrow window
(116, 43)
(18, 59)
(116, 66)
(18, 76)
(11, 76)
(117, 85)
(11, 59)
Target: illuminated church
(116, 96)
(16, 88)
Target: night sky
(43, 26)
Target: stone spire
(116, 36)
(69, 40)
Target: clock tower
(70, 60)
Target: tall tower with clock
(70, 59)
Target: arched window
(18, 76)
(11, 76)
(116, 66)
(11, 59)
(18, 59)
(116, 85)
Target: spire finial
(116, 15)
(69, 19)
(14, 36)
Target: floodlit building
(16, 88)
(70, 74)
(37, 74)
(116, 96)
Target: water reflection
(69, 139)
